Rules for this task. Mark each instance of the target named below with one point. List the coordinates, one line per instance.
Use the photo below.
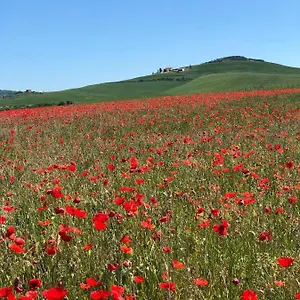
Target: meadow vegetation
(176, 197)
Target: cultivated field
(179, 197)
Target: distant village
(175, 70)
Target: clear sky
(60, 44)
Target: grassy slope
(236, 81)
(95, 93)
(224, 76)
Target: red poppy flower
(100, 220)
(221, 229)
(100, 226)
(30, 295)
(139, 181)
(92, 281)
(59, 210)
(10, 231)
(65, 228)
(44, 223)
(101, 217)
(204, 223)
(200, 282)
(35, 283)
(147, 224)
(229, 195)
(6, 292)
(168, 286)
(87, 247)
(111, 167)
(215, 212)
(80, 213)
(292, 200)
(100, 294)
(112, 267)
(72, 168)
(265, 236)
(279, 283)
(139, 279)
(297, 296)
(119, 200)
(285, 262)
(126, 189)
(127, 250)
(84, 173)
(177, 264)
(16, 248)
(77, 212)
(65, 237)
(130, 297)
(117, 291)
(125, 239)
(51, 250)
(84, 286)
(56, 192)
(249, 295)
(56, 293)
(133, 162)
(290, 164)
(19, 241)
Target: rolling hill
(4, 93)
(226, 74)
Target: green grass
(204, 162)
(95, 93)
(207, 77)
(236, 81)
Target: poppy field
(177, 197)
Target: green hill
(4, 93)
(236, 81)
(226, 74)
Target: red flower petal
(200, 282)
(178, 264)
(285, 262)
(99, 294)
(139, 279)
(16, 248)
(168, 285)
(249, 295)
(56, 293)
(92, 281)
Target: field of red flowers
(188, 197)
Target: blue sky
(60, 44)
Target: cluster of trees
(65, 103)
(183, 78)
(4, 93)
(234, 58)
(10, 94)
(35, 105)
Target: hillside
(226, 74)
(4, 93)
(233, 81)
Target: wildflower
(201, 282)
(285, 262)
(249, 295)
